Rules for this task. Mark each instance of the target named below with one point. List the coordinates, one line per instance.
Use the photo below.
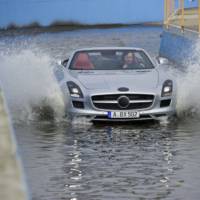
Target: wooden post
(182, 20)
(169, 10)
(165, 13)
(173, 7)
(199, 16)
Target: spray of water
(31, 89)
(188, 98)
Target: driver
(129, 61)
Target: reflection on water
(83, 161)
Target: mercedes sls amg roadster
(116, 84)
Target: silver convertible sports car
(116, 84)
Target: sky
(45, 12)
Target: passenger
(130, 61)
(83, 62)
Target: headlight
(167, 88)
(74, 90)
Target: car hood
(146, 79)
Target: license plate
(123, 115)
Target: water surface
(81, 161)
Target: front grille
(116, 96)
(110, 101)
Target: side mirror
(63, 63)
(163, 61)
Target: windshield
(110, 60)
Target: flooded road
(139, 161)
(82, 161)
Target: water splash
(188, 97)
(33, 93)
(31, 89)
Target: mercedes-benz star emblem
(123, 102)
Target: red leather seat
(83, 62)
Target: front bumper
(155, 112)
(152, 114)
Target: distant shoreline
(36, 28)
